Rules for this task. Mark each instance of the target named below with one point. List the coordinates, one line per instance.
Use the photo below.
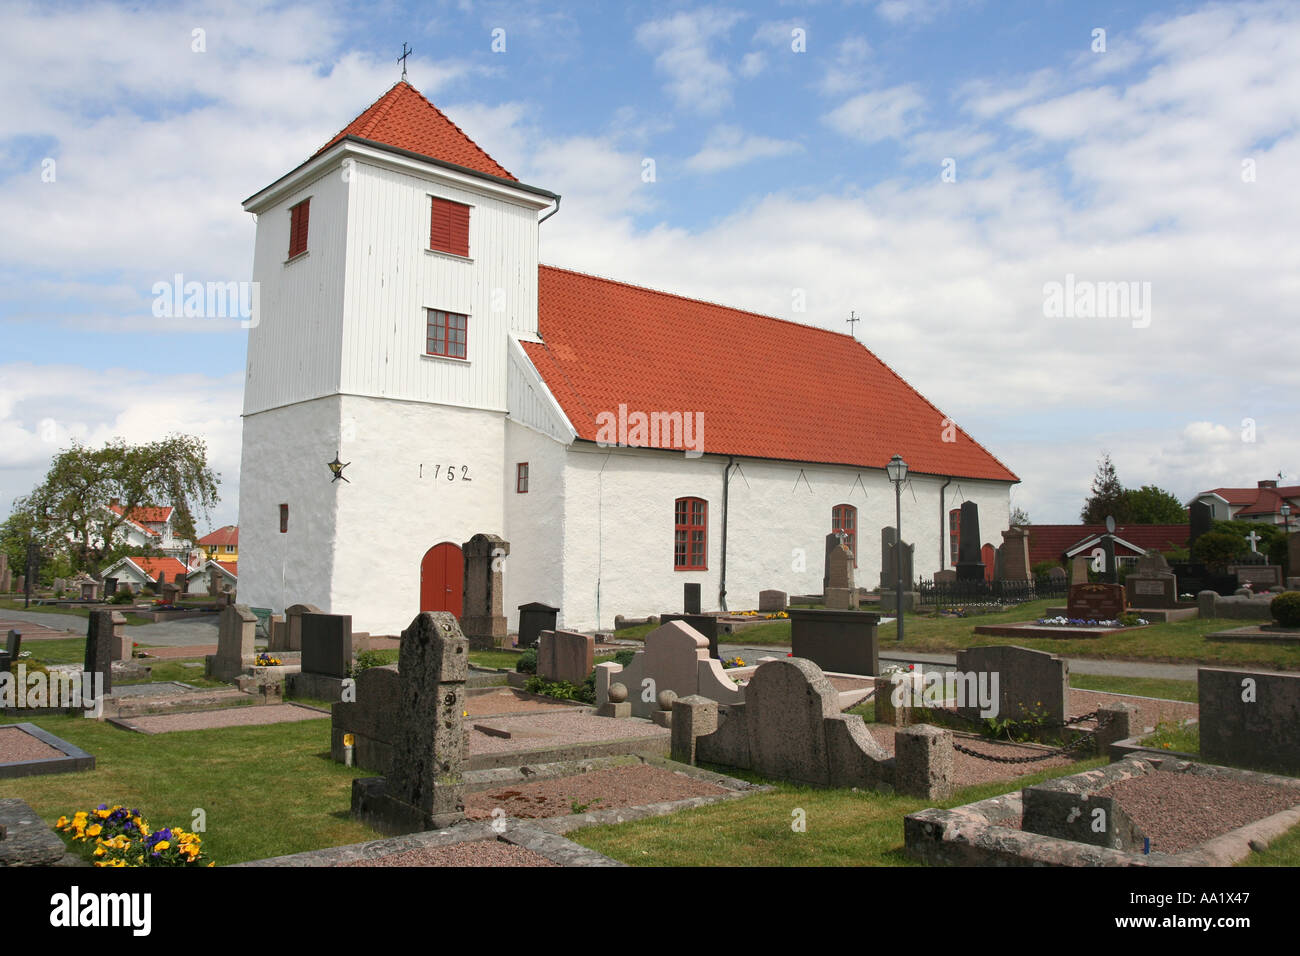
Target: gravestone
(90, 590)
(327, 644)
(483, 622)
(1200, 519)
(21, 586)
(1250, 719)
(1258, 574)
(214, 582)
(832, 542)
(99, 645)
(236, 632)
(162, 580)
(565, 655)
(278, 639)
(1030, 684)
(533, 619)
(676, 658)
(13, 646)
(1152, 584)
(772, 601)
(891, 551)
(1109, 571)
(1079, 569)
(1015, 555)
(706, 624)
(110, 587)
(999, 561)
(1293, 553)
(947, 576)
(293, 620)
(171, 593)
(839, 567)
(1095, 602)
(1058, 575)
(370, 720)
(970, 564)
(842, 642)
(424, 788)
(691, 597)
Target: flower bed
(123, 837)
(1062, 621)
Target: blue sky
(776, 170)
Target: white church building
(624, 441)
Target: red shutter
(449, 227)
(460, 229)
(298, 218)
(440, 226)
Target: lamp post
(1286, 518)
(897, 471)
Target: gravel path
(629, 786)
(473, 853)
(17, 745)
(511, 701)
(555, 730)
(1182, 810)
(1150, 712)
(230, 717)
(968, 770)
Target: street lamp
(1286, 517)
(897, 471)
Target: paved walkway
(198, 631)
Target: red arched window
(691, 535)
(844, 518)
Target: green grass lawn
(1184, 690)
(266, 790)
(1171, 735)
(843, 828)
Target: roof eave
(358, 145)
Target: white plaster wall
(534, 522)
(398, 502)
(285, 451)
(618, 531)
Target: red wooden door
(442, 579)
(988, 554)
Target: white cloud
(683, 43)
(752, 64)
(850, 67)
(879, 115)
(730, 146)
(914, 11)
(43, 408)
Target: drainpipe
(726, 485)
(551, 213)
(943, 522)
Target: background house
(221, 545)
(1262, 503)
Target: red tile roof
(767, 388)
(403, 118)
(151, 566)
(222, 536)
(1258, 501)
(1049, 542)
(141, 516)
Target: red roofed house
(137, 571)
(1262, 503)
(625, 441)
(148, 527)
(221, 545)
(1060, 542)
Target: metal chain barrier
(1078, 744)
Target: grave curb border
(74, 759)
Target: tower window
(284, 519)
(449, 227)
(299, 216)
(448, 334)
(521, 477)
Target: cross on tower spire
(402, 59)
(853, 320)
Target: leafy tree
(1152, 505)
(1217, 549)
(68, 510)
(1019, 517)
(1108, 497)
